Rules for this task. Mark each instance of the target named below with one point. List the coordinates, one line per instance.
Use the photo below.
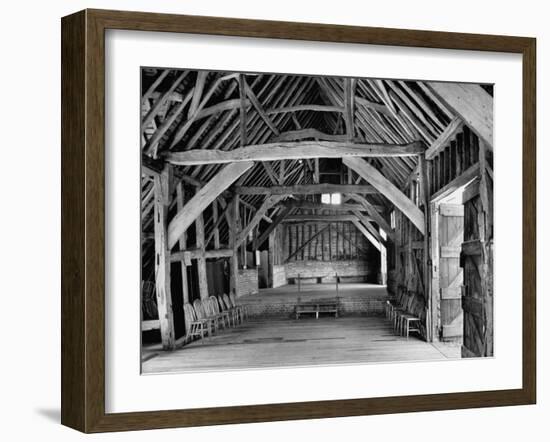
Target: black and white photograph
(298, 220)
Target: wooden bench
(317, 307)
(298, 280)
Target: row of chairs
(206, 316)
(404, 313)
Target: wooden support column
(383, 260)
(486, 240)
(216, 230)
(424, 186)
(201, 260)
(162, 260)
(180, 201)
(272, 256)
(233, 232)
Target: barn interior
(298, 220)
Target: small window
(392, 219)
(331, 198)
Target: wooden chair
(226, 311)
(202, 314)
(216, 312)
(410, 321)
(401, 313)
(241, 307)
(404, 306)
(212, 312)
(235, 312)
(195, 327)
(392, 304)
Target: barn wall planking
(477, 262)
(318, 249)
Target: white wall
(29, 218)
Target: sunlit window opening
(331, 198)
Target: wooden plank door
(451, 236)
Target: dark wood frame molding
(83, 216)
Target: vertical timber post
(180, 201)
(424, 187)
(234, 260)
(215, 220)
(162, 259)
(486, 238)
(201, 261)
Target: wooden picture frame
(83, 220)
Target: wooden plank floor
(289, 342)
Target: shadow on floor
(51, 414)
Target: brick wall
(247, 283)
(348, 271)
(353, 306)
(279, 276)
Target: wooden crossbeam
(188, 255)
(305, 107)
(472, 103)
(293, 151)
(305, 189)
(293, 204)
(302, 134)
(204, 196)
(152, 167)
(321, 218)
(389, 190)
